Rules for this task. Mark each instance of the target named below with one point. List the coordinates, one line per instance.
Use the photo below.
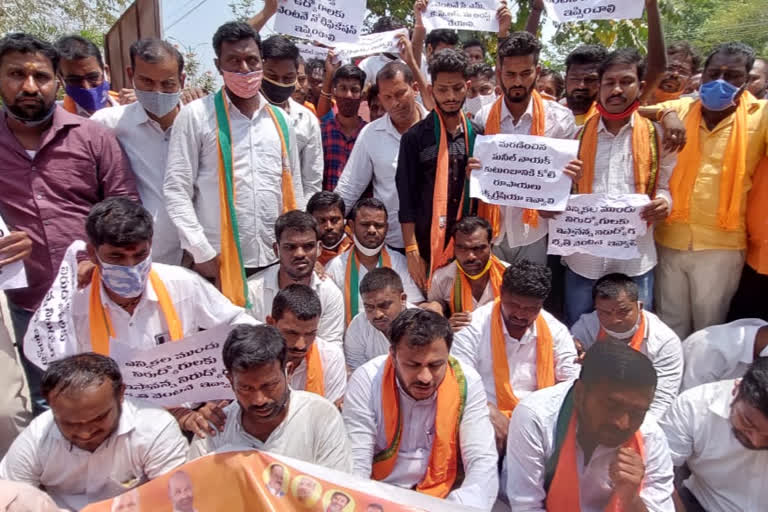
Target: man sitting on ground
(328, 210)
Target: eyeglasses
(94, 79)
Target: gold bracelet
(327, 94)
(412, 248)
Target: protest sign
(581, 10)
(13, 275)
(310, 51)
(372, 43)
(462, 15)
(523, 171)
(599, 224)
(326, 21)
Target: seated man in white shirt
(619, 316)
(297, 247)
(369, 231)
(313, 364)
(718, 437)
(515, 345)
(92, 444)
(417, 415)
(267, 414)
(590, 445)
(723, 351)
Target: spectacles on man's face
(94, 79)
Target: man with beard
(718, 437)
(93, 444)
(582, 81)
(267, 414)
(328, 210)
(682, 63)
(181, 492)
(296, 248)
(369, 225)
(758, 79)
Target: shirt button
(46, 223)
(39, 196)
(34, 167)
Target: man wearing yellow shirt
(702, 244)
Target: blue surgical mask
(157, 103)
(718, 95)
(127, 282)
(91, 99)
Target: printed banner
(14, 275)
(523, 171)
(601, 225)
(582, 10)
(462, 15)
(372, 43)
(326, 21)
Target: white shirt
(191, 185)
(309, 142)
(334, 371)
(364, 420)
(374, 158)
(312, 431)
(262, 288)
(443, 282)
(473, 345)
(720, 352)
(146, 444)
(558, 124)
(725, 476)
(615, 174)
(372, 65)
(660, 344)
(146, 145)
(197, 303)
(532, 427)
(363, 341)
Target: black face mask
(276, 92)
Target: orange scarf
(637, 339)
(352, 281)
(757, 220)
(645, 153)
(327, 255)
(101, 324)
(731, 179)
(461, 293)
(70, 106)
(581, 119)
(315, 378)
(659, 96)
(506, 401)
(446, 450)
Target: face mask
(620, 116)
(624, 335)
(474, 105)
(718, 95)
(365, 251)
(276, 92)
(243, 85)
(27, 122)
(348, 107)
(156, 103)
(90, 99)
(127, 282)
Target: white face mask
(474, 105)
(157, 103)
(365, 251)
(628, 334)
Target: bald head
(180, 492)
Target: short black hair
(471, 43)
(249, 346)
(118, 221)
(442, 35)
(325, 200)
(557, 77)
(586, 54)
(386, 24)
(279, 47)
(74, 47)
(685, 49)
(610, 286)
(470, 224)
(520, 44)
(733, 48)
(152, 50)
(422, 327)
(295, 220)
(313, 64)
(232, 32)
(448, 60)
(381, 278)
(339, 493)
(369, 202)
(617, 363)
(626, 57)
(753, 388)
(349, 72)
(527, 279)
(481, 69)
(79, 372)
(26, 43)
(391, 69)
(299, 299)
(373, 93)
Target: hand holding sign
(462, 15)
(15, 246)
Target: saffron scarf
(101, 324)
(561, 479)
(446, 450)
(352, 281)
(637, 339)
(461, 293)
(581, 119)
(757, 220)
(315, 378)
(70, 106)
(506, 401)
(732, 176)
(327, 255)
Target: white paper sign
(601, 225)
(326, 21)
(582, 10)
(382, 42)
(310, 51)
(462, 15)
(13, 275)
(523, 171)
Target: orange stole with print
(315, 377)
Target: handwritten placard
(370, 44)
(326, 21)
(523, 171)
(599, 224)
(13, 275)
(583, 10)
(462, 15)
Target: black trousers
(749, 301)
(689, 500)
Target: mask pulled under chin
(126, 281)
(624, 335)
(27, 122)
(365, 251)
(276, 92)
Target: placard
(310, 51)
(583, 10)
(13, 275)
(326, 21)
(383, 42)
(462, 15)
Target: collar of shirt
(136, 115)
(337, 127)
(236, 111)
(506, 114)
(601, 128)
(256, 441)
(111, 102)
(272, 276)
(125, 425)
(721, 405)
(528, 337)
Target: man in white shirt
(313, 364)
(369, 224)
(718, 434)
(723, 351)
(260, 168)
(143, 129)
(619, 316)
(589, 445)
(93, 444)
(267, 414)
(296, 247)
(515, 346)
(438, 401)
